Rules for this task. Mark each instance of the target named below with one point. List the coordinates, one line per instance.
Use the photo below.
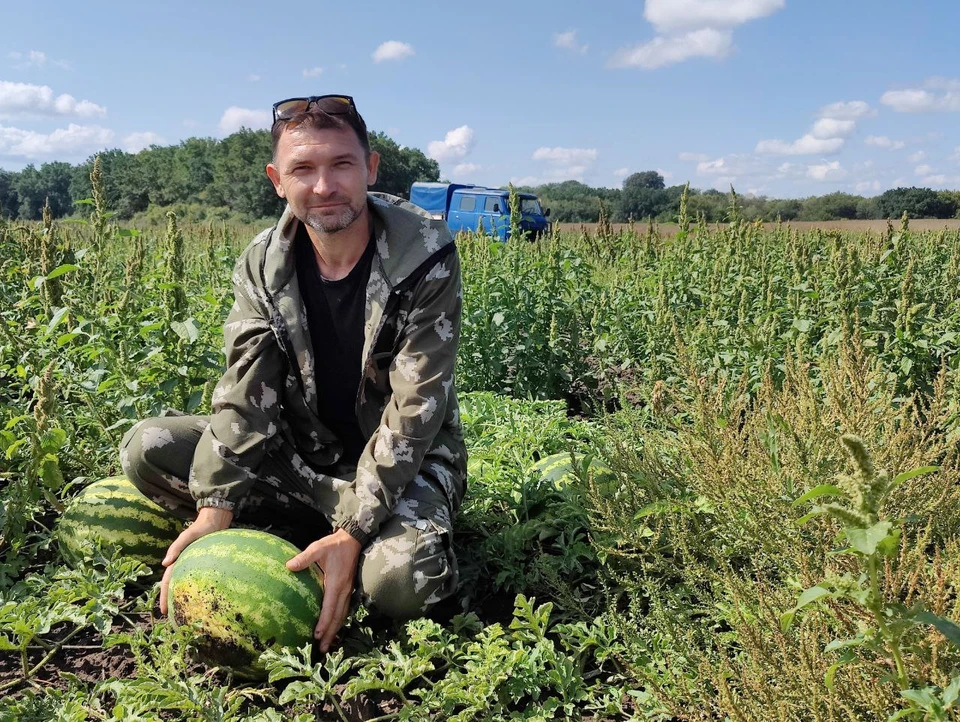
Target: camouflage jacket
(406, 403)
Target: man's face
(323, 175)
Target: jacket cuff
(353, 529)
(217, 502)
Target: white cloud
(826, 171)
(465, 169)
(807, 145)
(671, 16)
(937, 94)
(70, 142)
(667, 175)
(312, 72)
(392, 50)
(695, 157)
(253, 78)
(22, 99)
(846, 110)
(455, 145)
(234, 118)
(941, 180)
(568, 41)
(826, 128)
(566, 156)
(924, 170)
(526, 180)
(864, 187)
(135, 142)
(882, 141)
(691, 29)
(667, 50)
(35, 59)
(917, 157)
(621, 172)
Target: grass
(715, 371)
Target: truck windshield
(530, 206)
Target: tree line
(646, 195)
(211, 178)
(207, 178)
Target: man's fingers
(164, 583)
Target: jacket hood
(406, 237)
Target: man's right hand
(209, 519)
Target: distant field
(927, 224)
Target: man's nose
(324, 183)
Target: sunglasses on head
(329, 104)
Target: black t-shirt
(335, 317)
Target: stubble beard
(327, 223)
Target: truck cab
(474, 208)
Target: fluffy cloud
(852, 110)
(671, 16)
(253, 78)
(695, 157)
(826, 171)
(691, 29)
(917, 157)
(566, 156)
(864, 187)
(74, 141)
(392, 50)
(455, 145)
(234, 118)
(936, 94)
(826, 128)
(667, 50)
(882, 141)
(135, 142)
(462, 170)
(924, 170)
(568, 41)
(312, 72)
(621, 173)
(807, 145)
(827, 134)
(35, 59)
(22, 99)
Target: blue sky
(785, 98)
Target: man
(337, 413)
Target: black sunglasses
(329, 104)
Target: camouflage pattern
(264, 450)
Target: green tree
(830, 207)
(9, 202)
(239, 181)
(916, 202)
(400, 167)
(645, 179)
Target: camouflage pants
(406, 568)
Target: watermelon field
(713, 476)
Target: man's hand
(209, 519)
(337, 556)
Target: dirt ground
(926, 224)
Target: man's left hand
(337, 556)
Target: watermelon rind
(113, 514)
(558, 470)
(233, 589)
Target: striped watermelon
(558, 469)
(234, 586)
(115, 514)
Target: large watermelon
(558, 469)
(115, 514)
(233, 585)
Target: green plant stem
(39, 665)
(884, 630)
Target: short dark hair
(318, 120)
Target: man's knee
(403, 575)
(156, 453)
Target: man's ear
(274, 175)
(372, 165)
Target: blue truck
(467, 207)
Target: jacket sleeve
(246, 401)
(421, 377)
